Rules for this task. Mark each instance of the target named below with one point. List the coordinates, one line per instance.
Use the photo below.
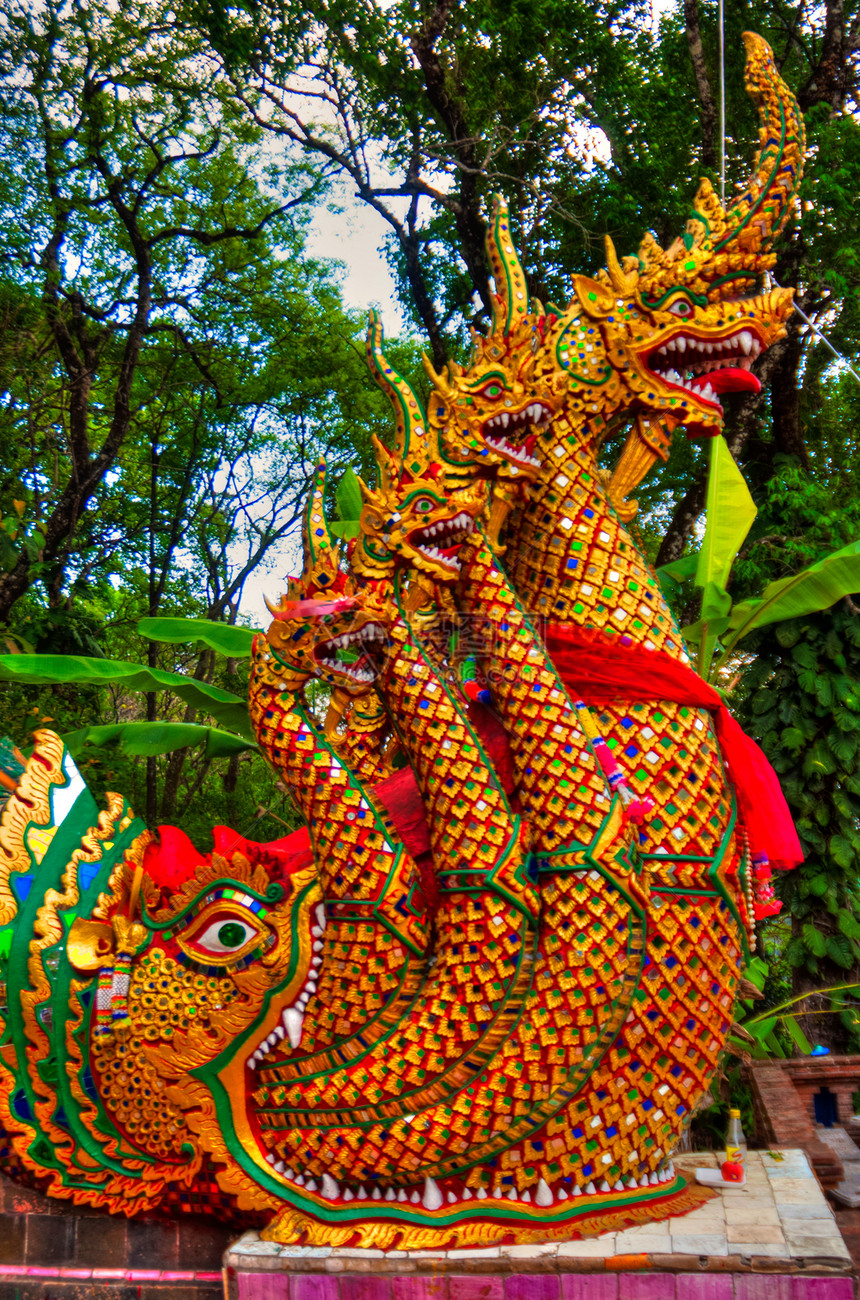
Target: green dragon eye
(232, 934)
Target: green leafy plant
(731, 512)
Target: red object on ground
(732, 1172)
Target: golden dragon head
(320, 629)
(424, 508)
(658, 336)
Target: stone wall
(89, 1253)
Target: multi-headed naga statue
(478, 998)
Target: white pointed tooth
(631, 1183)
(467, 1194)
(271, 1158)
(481, 1193)
(318, 947)
(671, 345)
(671, 1169)
(293, 1021)
(310, 1185)
(756, 348)
(401, 1196)
(316, 931)
(320, 915)
(506, 419)
(709, 348)
(574, 1191)
(653, 1180)
(512, 1194)
(526, 1196)
(361, 1194)
(330, 1189)
(673, 377)
(432, 1198)
(746, 341)
(604, 1186)
(279, 1167)
(451, 1198)
(543, 1195)
(348, 1196)
(681, 345)
(252, 1064)
(311, 986)
(299, 1180)
(415, 1198)
(619, 1186)
(590, 1189)
(391, 1195)
(280, 1033)
(376, 1194)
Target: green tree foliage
(172, 365)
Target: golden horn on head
(439, 381)
(410, 436)
(511, 301)
(623, 282)
(319, 549)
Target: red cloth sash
(600, 671)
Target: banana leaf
(348, 496)
(797, 1035)
(815, 588)
(731, 512)
(671, 576)
(44, 670)
(227, 640)
(345, 528)
(148, 739)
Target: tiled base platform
(775, 1238)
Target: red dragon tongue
(729, 379)
(528, 444)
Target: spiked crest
(320, 552)
(722, 253)
(511, 299)
(415, 453)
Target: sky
(353, 237)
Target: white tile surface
(780, 1212)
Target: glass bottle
(736, 1143)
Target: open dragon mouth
(345, 653)
(707, 367)
(430, 1196)
(440, 542)
(494, 432)
(292, 1017)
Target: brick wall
(40, 1229)
(783, 1116)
